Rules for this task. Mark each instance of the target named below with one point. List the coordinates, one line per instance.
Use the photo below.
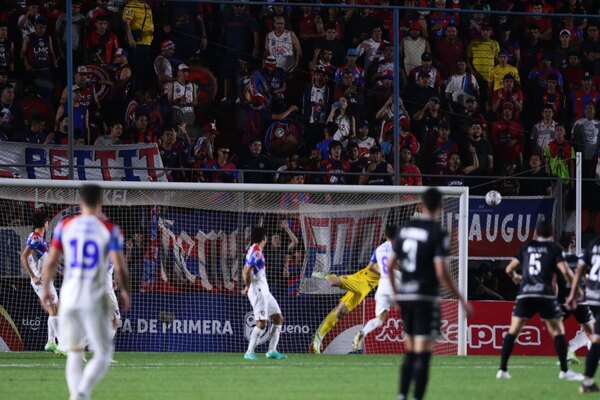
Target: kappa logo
(393, 331)
(493, 335)
(478, 335)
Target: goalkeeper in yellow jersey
(358, 285)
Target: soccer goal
(185, 246)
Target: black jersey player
(419, 252)
(590, 263)
(539, 261)
(582, 313)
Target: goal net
(185, 246)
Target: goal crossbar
(171, 194)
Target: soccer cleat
(50, 347)
(60, 352)
(572, 358)
(502, 374)
(316, 344)
(80, 396)
(250, 356)
(357, 343)
(319, 275)
(275, 355)
(570, 375)
(593, 388)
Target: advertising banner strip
(499, 231)
(135, 162)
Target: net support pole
(71, 136)
(463, 265)
(578, 183)
(396, 102)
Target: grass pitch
(174, 376)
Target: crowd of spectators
(310, 89)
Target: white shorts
(91, 326)
(263, 303)
(384, 297)
(38, 291)
(113, 305)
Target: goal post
(192, 240)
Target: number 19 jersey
(85, 242)
(538, 265)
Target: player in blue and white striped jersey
(263, 303)
(111, 285)
(32, 259)
(87, 244)
(384, 295)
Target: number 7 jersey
(85, 242)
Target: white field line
(280, 365)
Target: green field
(175, 376)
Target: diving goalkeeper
(358, 285)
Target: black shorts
(582, 314)
(596, 313)
(421, 318)
(529, 306)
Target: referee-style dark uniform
(538, 261)
(419, 242)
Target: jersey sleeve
(373, 257)
(57, 237)
(34, 241)
(115, 243)
(255, 260)
(442, 247)
(128, 13)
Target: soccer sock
(560, 344)
(406, 373)
(74, 370)
(113, 332)
(591, 361)
(274, 337)
(53, 323)
(579, 340)
(507, 348)
(327, 324)
(421, 369)
(50, 330)
(94, 371)
(256, 333)
(371, 326)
